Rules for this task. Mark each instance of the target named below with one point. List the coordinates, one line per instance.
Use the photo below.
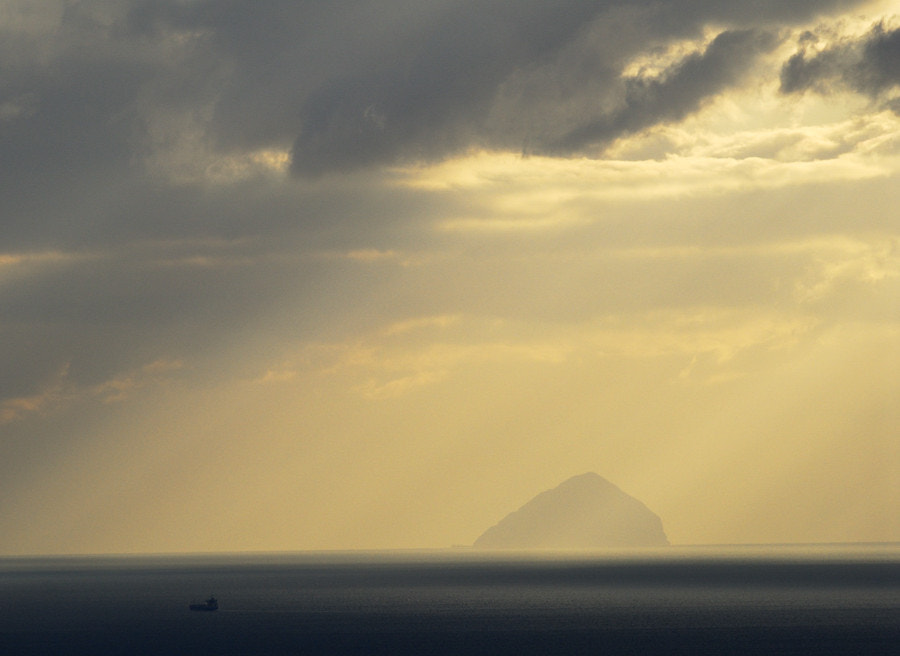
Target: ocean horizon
(748, 599)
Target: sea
(834, 599)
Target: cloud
(852, 267)
(365, 84)
(61, 389)
(721, 344)
(674, 94)
(124, 385)
(868, 64)
(547, 79)
(437, 88)
(539, 195)
(111, 104)
(50, 392)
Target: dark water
(675, 601)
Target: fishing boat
(209, 604)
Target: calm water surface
(672, 601)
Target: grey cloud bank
(106, 88)
(513, 75)
(675, 94)
(869, 64)
(363, 83)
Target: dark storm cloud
(437, 95)
(356, 84)
(73, 134)
(66, 141)
(432, 99)
(104, 88)
(675, 94)
(869, 64)
(350, 84)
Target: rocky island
(584, 512)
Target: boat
(209, 604)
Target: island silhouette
(583, 512)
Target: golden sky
(373, 274)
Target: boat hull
(208, 605)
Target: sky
(299, 275)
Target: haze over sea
(679, 600)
